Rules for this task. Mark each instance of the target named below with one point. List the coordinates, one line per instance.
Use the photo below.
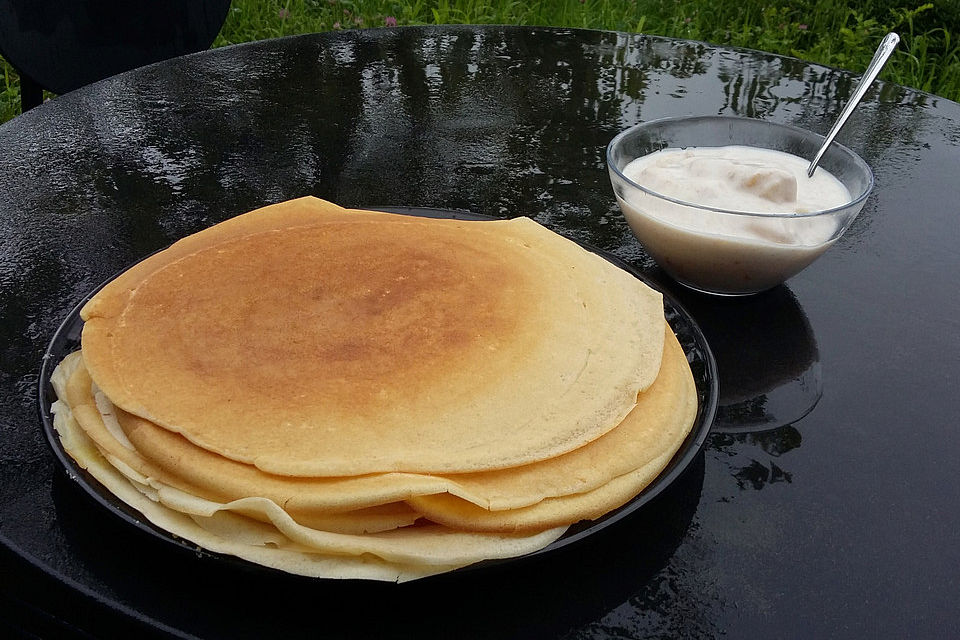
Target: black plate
(67, 340)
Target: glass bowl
(723, 251)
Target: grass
(839, 33)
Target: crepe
(94, 414)
(551, 512)
(655, 428)
(344, 393)
(382, 343)
(338, 556)
(588, 482)
(658, 424)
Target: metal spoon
(887, 45)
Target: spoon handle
(887, 45)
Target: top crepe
(310, 340)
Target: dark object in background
(61, 46)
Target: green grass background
(839, 33)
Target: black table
(825, 503)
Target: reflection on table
(767, 357)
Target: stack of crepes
(354, 394)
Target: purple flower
(336, 25)
(283, 13)
(390, 21)
(802, 27)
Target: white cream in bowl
(731, 219)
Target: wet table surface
(825, 502)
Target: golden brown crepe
(346, 393)
(264, 544)
(593, 480)
(654, 429)
(313, 341)
(551, 512)
(659, 422)
(95, 416)
(281, 542)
